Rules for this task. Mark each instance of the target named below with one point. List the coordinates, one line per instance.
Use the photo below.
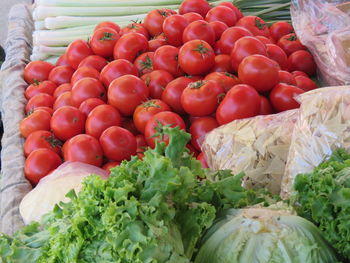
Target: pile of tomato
(105, 100)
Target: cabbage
(264, 235)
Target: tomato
(255, 25)
(202, 160)
(65, 99)
(108, 24)
(196, 57)
(62, 89)
(201, 98)
(46, 86)
(154, 20)
(199, 128)
(199, 30)
(44, 108)
(259, 71)
(280, 29)
(282, 97)
(88, 105)
(286, 77)
(61, 74)
(126, 93)
(37, 71)
(93, 61)
(77, 51)
(192, 16)
(197, 6)
(166, 58)
(157, 42)
(84, 72)
(156, 81)
(41, 99)
(230, 36)
(299, 73)
(39, 164)
(128, 123)
(103, 40)
(245, 47)
(135, 28)
(141, 142)
(224, 79)
(129, 46)
(173, 28)
(87, 88)
(67, 122)
(265, 106)
(38, 120)
(41, 140)
(62, 60)
(264, 40)
(277, 54)
(83, 148)
(108, 166)
(116, 69)
(217, 48)
(290, 43)
(223, 14)
(144, 63)
(239, 14)
(219, 28)
(302, 60)
(222, 63)
(161, 119)
(242, 101)
(305, 83)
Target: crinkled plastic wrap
(322, 126)
(258, 146)
(324, 27)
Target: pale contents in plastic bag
(257, 146)
(322, 126)
(53, 188)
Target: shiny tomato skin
(277, 54)
(156, 81)
(199, 128)
(144, 63)
(126, 93)
(135, 28)
(41, 139)
(38, 120)
(230, 36)
(62, 61)
(101, 118)
(166, 58)
(108, 166)
(192, 16)
(219, 28)
(173, 28)
(108, 24)
(264, 40)
(222, 63)
(302, 60)
(239, 14)
(223, 14)
(199, 30)
(67, 122)
(280, 29)
(265, 106)
(37, 71)
(290, 43)
(44, 108)
(87, 88)
(305, 83)
(197, 6)
(65, 99)
(224, 79)
(46, 86)
(299, 73)
(255, 25)
(103, 41)
(39, 164)
(88, 105)
(39, 100)
(156, 43)
(116, 69)
(242, 101)
(282, 97)
(62, 89)
(202, 160)
(77, 51)
(61, 74)
(93, 61)
(84, 72)
(154, 20)
(141, 142)
(162, 118)
(286, 77)
(129, 46)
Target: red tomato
(222, 64)
(245, 47)
(36, 121)
(46, 86)
(239, 14)
(157, 42)
(265, 106)
(108, 24)
(224, 79)
(88, 105)
(47, 109)
(230, 36)
(286, 77)
(41, 99)
(141, 142)
(264, 40)
(197, 6)
(83, 148)
(202, 160)
(67, 122)
(162, 119)
(277, 54)
(84, 72)
(130, 46)
(192, 151)
(302, 60)
(166, 58)
(259, 72)
(305, 83)
(39, 164)
(201, 98)
(290, 43)
(299, 73)
(65, 99)
(62, 89)
(223, 14)
(173, 28)
(62, 60)
(282, 97)
(61, 74)
(242, 101)
(41, 140)
(199, 128)
(219, 28)
(192, 16)
(126, 93)
(87, 88)
(37, 71)
(77, 51)
(217, 48)
(116, 69)
(156, 81)
(146, 110)
(144, 63)
(128, 123)
(196, 57)
(199, 30)
(135, 28)
(93, 61)
(154, 20)
(255, 25)
(280, 29)
(118, 143)
(108, 166)
(103, 40)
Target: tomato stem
(107, 36)
(292, 38)
(197, 84)
(260, 24)
(150, 103)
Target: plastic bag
(322, 126)
(258, 146)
